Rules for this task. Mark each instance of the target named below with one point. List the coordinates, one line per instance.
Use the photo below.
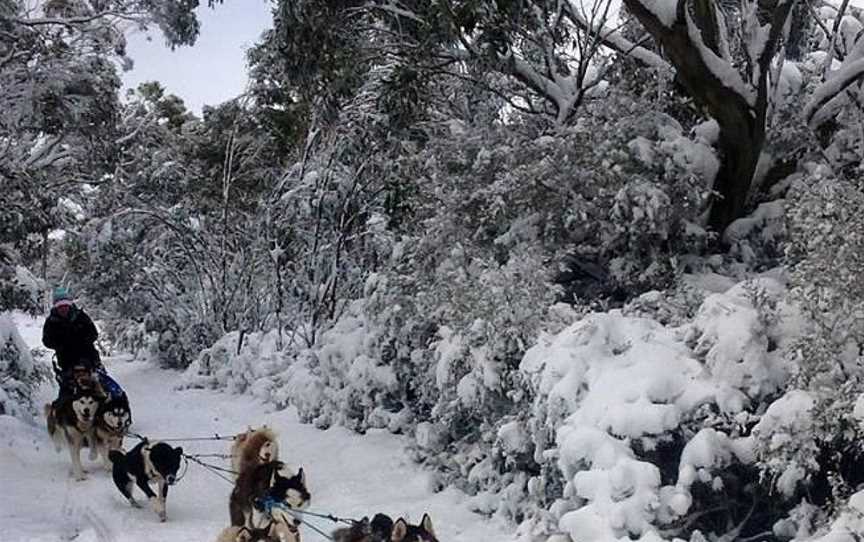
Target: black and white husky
(147, 463)
(112, 422)
(71, 421)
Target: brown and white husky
(252, 448)
(71, 422)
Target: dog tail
(116, 456)
(51, 422)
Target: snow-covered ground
(349, 475)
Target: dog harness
(267, 504)
(109, 384)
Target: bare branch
(614, 40)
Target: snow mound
(738, 334)
(610, 381)
(603, 381)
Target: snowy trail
(349, 475)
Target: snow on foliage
(741, 344)
(721, 68)
(609, 380)
(785, 428)
(666, 11)
(827, 98)
(599, 401)
(18, 372)
(848, 525)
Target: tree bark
(741, 118)
(740, 147)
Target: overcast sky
(214, 69)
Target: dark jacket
(72, 336)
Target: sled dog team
(267, 493)
(84, 415)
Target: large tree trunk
(739, 103)
(740, 143)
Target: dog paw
(159, 508)
(80, 477)
(134, 503)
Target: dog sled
(86, 375)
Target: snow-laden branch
(612, 38)
(46, 153)
(666, 11)
(826, 99)
(144, 122)
(395, 10)
(58, 21)
(838, 21)
(722, 70)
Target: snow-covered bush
(19, 375)
(608, 425)
(824, 255)
(19, 289)
(648, 425)
(622, 189)
(241, 363)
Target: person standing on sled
(70, 332)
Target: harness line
(216, 436)
(213, 467)
(218, 456)
(183, 474)
(331, 517)
(213, 470)
(269, 504)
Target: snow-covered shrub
(674, 306)
(847, 526)
(613, 199)
(824, 255)
(786, 441)
(176, 337)
(19, 375)
(758, 239)
(649, 425)
(358, 385)
(125, 335)
(19, 289)
(247, 363)
(741, 336)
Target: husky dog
(405, 532)
(70, 419)
(272, 483)
(112, 421)
(147, 463)
(275, 531)
(379, 530)
(252, 448)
